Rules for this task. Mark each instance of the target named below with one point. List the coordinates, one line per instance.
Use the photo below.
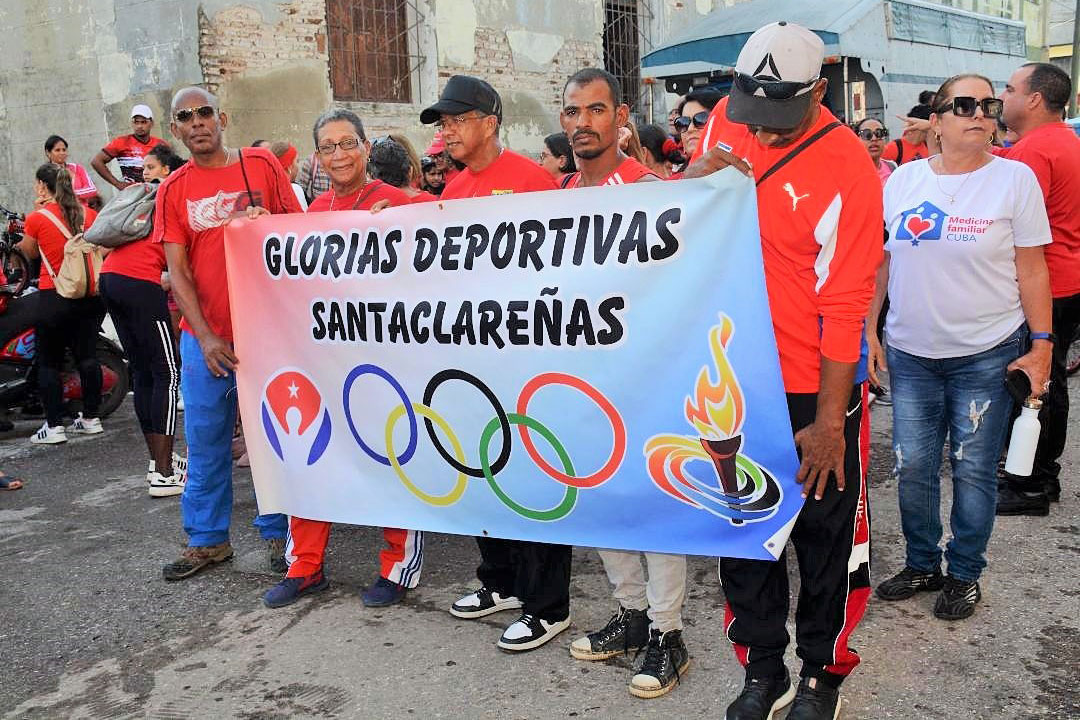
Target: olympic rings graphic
(429, 415)
(369, 369)
(569, 497)
(429, 394)
(455, 456)
(618, 429)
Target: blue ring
(369, 369)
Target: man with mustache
(192, 208)
(593, 111)
(514, 574)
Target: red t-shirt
(510, 173)
(50, 240)
(141, 259)
(129, 153)
(370, 193)
(424, 196)
(911, 152)
(192, 206)
(629, 171)
(1052, 151)
(820, 220)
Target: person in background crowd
(874, 135)
(446, 163)
(650, 611)
(911, 145)
(693, 115)
(345, 154)
(193, 205)
(286, 155)
(959, 319)
(138, 305)
(62, 322)
(56, 152)
(415, 174)
(433, 181)
(128, 150)
(661, 151)
(390, 162)
(158, 165)
(514, 574)
(312, 178)
(1034, 102)
(672, 116)
(557, 158)
(926, 98)
(630, 143)
(820, 219)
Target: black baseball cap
(462, 94)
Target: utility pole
(1075, 59)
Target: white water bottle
(1024, 439)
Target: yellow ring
(462, 481)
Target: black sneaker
(761, 697)
(666, 661)
(626, 630)
(529, 632)
(908, 582)
(484, 601)
(815, 701)
(957, 599)
(1014, 502)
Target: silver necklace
(951, 196)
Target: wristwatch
(1049, 336)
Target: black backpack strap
(567, 179)
(243, 171)
(899, 151)
(801, 146)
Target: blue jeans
(209, 419)
(965, 399)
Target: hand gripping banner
(593, 367)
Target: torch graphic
(742, 490)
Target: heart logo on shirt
(917, 225)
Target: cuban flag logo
(292, 406)
(924, 222)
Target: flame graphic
(741, 490)
(717, 409)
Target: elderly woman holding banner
(343, 151)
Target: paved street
(88, 629)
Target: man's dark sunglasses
(964, 106)
(184, 116)
(773, 89)
(682, 124)
(879, 134)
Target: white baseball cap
(774, 76)
(143, 110)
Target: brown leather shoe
(194, 559)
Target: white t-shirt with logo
(952, 274)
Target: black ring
(429, 393)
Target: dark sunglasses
(682, 124)
(184, 116)
(772, 89)
(964, 106)
(879, 134)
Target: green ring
(569, 497)
(747, 466)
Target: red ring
(618, 429)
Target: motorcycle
(18, 344)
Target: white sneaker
(150, 471)
(49, 435)
(86, 426)
(483, 602)
(161, 486)
(179, 403)
(179, 466)
(529, 631)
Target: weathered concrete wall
(75, 67)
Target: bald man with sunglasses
(193, 206)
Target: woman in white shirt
(967, 281)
